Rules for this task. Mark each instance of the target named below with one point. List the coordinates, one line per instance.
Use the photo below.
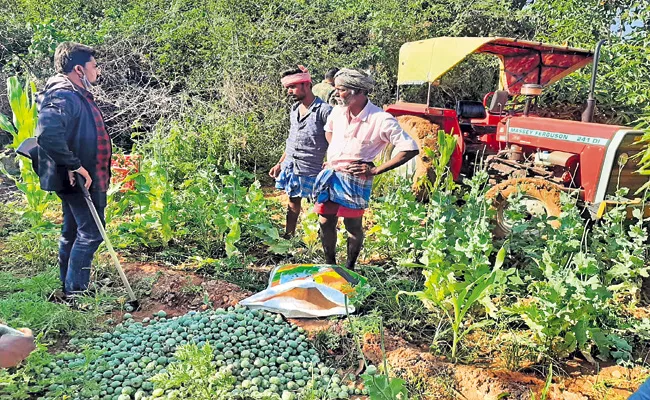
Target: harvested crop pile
(256, 353)
(425, 133)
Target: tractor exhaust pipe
(588, 113)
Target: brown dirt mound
(177, 292)
(425, 133)
(472, 382)
(587, 382)
(445, 380)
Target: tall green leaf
(25, 117)
(22, 100)
(6, 125)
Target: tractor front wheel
(540, 197)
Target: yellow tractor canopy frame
(521, 61)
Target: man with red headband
(306, 145)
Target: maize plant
(22, 100)
(25, 113)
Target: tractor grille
(625, 176)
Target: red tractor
(522, 151)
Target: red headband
(296, 78)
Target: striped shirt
(306, 145)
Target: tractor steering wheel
(510, 107)
(486, 98)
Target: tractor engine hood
(521, 61)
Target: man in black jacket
(72, 140)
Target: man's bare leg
(354, 226)
(293, 212)
(328, 236)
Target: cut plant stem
(353, 331)
(383, 348)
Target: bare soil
(440, 379)
(425, 133)
(177, 292)
(8, 190)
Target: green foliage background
(193, 87)
(217, 61)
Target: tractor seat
(467, 109)
(498, 103)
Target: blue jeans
(80, 238)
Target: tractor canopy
(521, 61)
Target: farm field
(555, 307)
(510, 341)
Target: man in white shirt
(357, 131)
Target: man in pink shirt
(357, 131)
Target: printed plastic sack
(306, 291)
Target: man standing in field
(73, 140)
(305, 149)
(358, 132)
(325, 89)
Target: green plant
(444, 290)
(357, 337)
(25, 116)
(644, 156)
(404, 317)
(195, 375)
(547, 385)
(150, 205)
(571, 280)
(456, 257)
(310, 234)
(623, 262)
(381, 387)
(218, 214)
(398, 231)
(446, 146)
(566, 308)
(25, 112)
(517, 349)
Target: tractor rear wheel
(425, 134)
(539, 196)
